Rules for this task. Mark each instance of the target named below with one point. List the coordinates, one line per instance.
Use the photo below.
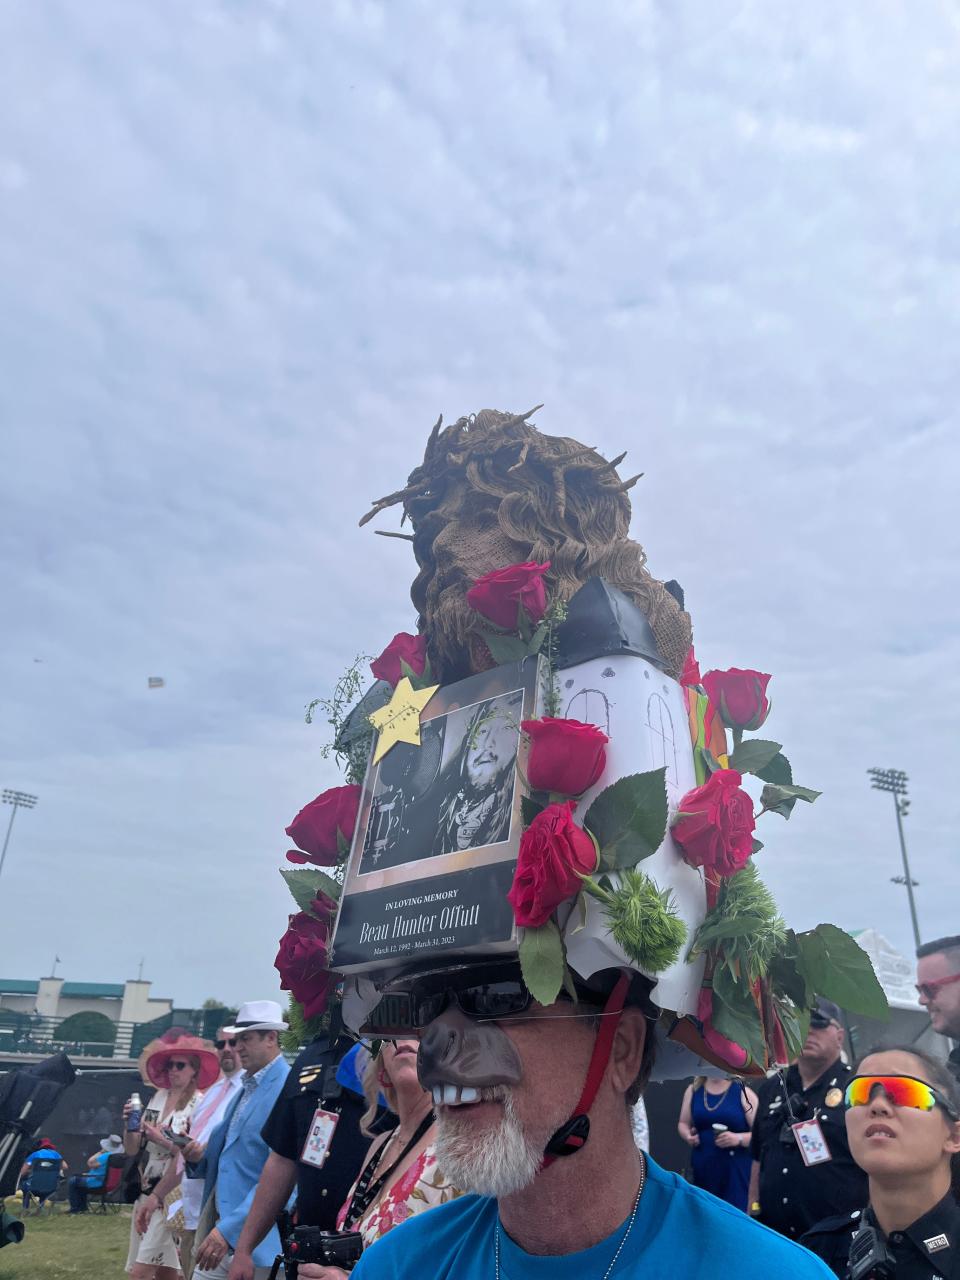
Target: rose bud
(739, 696)
(499, 594)
(566, 756)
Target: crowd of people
(839, 1162)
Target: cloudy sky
(249, 251)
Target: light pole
(895, 781)
(19, 800)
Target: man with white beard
(533, 1116)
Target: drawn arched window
(663, 743)
(591, 706)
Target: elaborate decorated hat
(178, 1043)
(541, 773)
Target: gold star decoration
(399, 720)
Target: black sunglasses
(222, 1044)
(178, 1066)
(484, 993)
(476, 1000)
(410, 1002)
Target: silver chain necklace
(613, 1260)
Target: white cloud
(250, 251)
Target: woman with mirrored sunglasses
(903, 1125)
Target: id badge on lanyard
(812, 1143)
(319, 1137)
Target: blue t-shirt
(680, 1232)
(98, 1172)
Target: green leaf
(530, 806)
(538, 637)
(629, 819)
(753, 755)
(542, 961)
(787, 974)
(781, 798)
(736, 1016)
(795, 1023)
(305, 885)
(418, 681)
(569, 985)
(343, 844)
(836, 966)
(724, 928)
(757, 846)
(504, 648)
(778, 771)
(524, 625)
(580, 906)
(710, 762)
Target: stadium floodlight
(895, 781)
(19, 800)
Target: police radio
(869, 1257)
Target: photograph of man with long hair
(476, 784)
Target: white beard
(495, 1163)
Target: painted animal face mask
(458, 1057)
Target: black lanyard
(366, 1191)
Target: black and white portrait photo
(453, 792)
(479, 774)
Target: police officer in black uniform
(802, 1168)
(910, 1230)
(314, 1137)
(929, 1249)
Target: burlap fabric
(493, 491)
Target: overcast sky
(249, 251)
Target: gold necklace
(720, 1098)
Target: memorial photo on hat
(453, 792)
(439, 826)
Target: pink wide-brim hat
(153, 1061)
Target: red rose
(402, 648)
(739, 696)
(314, 829)
(714, 826)
(566, 756)
(498, 595)
(690, 675)
(554, 853)
(304, 957)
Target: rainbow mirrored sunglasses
(903, 1091)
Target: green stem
(591, 887)
(737, 738)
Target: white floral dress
(422, 1186)
(157, 1246)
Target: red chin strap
(570, 1137)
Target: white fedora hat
(257, 1015)
(112, 1145)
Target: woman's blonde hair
(372, 1089)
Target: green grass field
(91, 1246)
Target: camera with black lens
(328, 1248)
(869, 1257)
